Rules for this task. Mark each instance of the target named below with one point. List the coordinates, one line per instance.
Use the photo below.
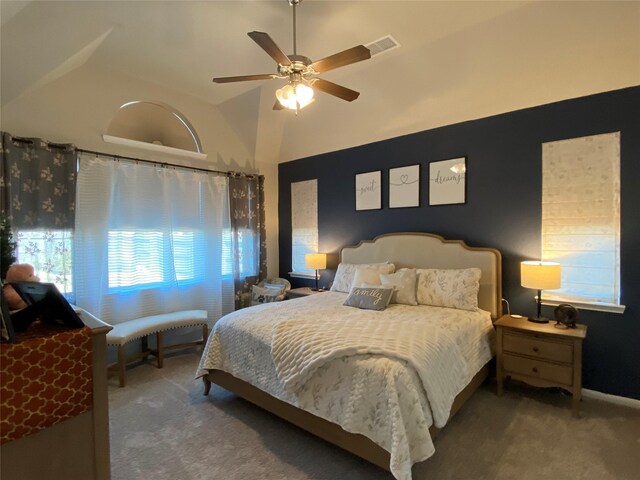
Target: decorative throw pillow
(403, 283)
(455, 288)
(366, 274)
(369, 298)
(260, 295)
(347, 271)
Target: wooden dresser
(540, 354)
(76, 448)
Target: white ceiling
(457, 60)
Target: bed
(385, 407)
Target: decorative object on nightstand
(540, 355)
(566, 316)
(540, 276)
(317, 261)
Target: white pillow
(366, 275)
(275, 286)
(347, 271)
(403, 283)
(455, 288)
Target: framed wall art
(404, 186)
(447, 181)
(369, 190)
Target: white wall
(78, 107)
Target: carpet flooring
(163, 428)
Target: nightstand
(301, 292)
(540, 354)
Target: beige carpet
(163, 428)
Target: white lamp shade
(317, 261)
(540, 275)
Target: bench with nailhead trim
(141, 328)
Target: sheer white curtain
(149, 240)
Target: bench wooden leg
(121, 365)
(159, 350)
(145, 347)
(205, 334)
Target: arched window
(154, 123)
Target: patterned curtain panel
(248, 235)
(38, 191)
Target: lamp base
(538, 319)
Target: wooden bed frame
(419, 250)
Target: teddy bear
(18, 272)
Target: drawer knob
(534, 370)
(535, 349)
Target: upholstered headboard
(426, 250)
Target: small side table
(301, 292)
(540, 354)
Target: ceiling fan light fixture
(295, 95)
(300, 71)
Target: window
(50, 253)
(581, 218)
(137, 258)
(149, 240)
(304, 224)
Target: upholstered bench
(126, 332)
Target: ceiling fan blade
(277, 106)
(269, 46)
(346, 57)
(334, 89)
(243, 78)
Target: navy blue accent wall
(502, 210)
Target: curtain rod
(123, 157)
(164, 164)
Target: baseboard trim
(625, 401)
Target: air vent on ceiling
(381, 45)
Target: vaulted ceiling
(457, 60)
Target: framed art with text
(447, 181)
(404, 186)
(369, 190)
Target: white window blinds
(304, 224)
(581, 216)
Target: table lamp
(317, 261)
(540, 276)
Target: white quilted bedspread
(393, 400)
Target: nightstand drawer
(538, 369)
(535, 347)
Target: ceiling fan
(301, 71)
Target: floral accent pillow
(260, 295)
(346, 272)
(369, 298)
(403, 283)
(455, 288)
